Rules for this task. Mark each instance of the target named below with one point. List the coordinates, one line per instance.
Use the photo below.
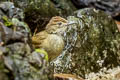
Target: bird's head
(56, 25)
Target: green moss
(7, 21)
(42, 52)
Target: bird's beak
(70, 23)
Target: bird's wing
(39, 38)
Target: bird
(51, 39)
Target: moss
(7, 22)
(42, 52)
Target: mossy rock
(92, 43)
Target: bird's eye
(59, 23)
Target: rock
(18, 59)
(104, 74)
(9, 10)
(25, 65)
(92, 42)
(111, 7)
(8, 35)
(65, 6)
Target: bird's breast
(53, 44)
